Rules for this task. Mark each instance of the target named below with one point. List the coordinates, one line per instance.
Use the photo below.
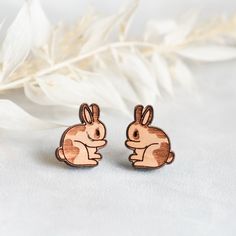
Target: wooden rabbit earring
(150, 145)
(79, 143)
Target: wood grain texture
(80, 143)
(151, 145)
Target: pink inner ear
(87, 115)
(146, 117)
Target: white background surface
(196, 195)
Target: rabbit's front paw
(96, 156)
(135, 157)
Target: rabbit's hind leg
(137, 155)
(82, 159)
(87, 162)
(93, 154)
(149, 160)
(76, 154)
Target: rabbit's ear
(85, 114)
(147, 116)
(95, 111)
(138, 113)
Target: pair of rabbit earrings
(80, 143)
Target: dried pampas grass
(95, 61)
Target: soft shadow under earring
(79, 143)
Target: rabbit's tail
(170, 158)
(59, 154)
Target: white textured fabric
(193, 196)
(196, 195)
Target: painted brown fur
(150, 145)
(80, 143)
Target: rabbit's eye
(97, 133)
(136, 134)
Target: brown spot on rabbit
(159, 133)
(151, 145)
(79, 143)
(70, 150)
(161, 154)
(74, 130)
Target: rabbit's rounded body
(156, 153)
(79, 143)
(151, 145)
(72, 149)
